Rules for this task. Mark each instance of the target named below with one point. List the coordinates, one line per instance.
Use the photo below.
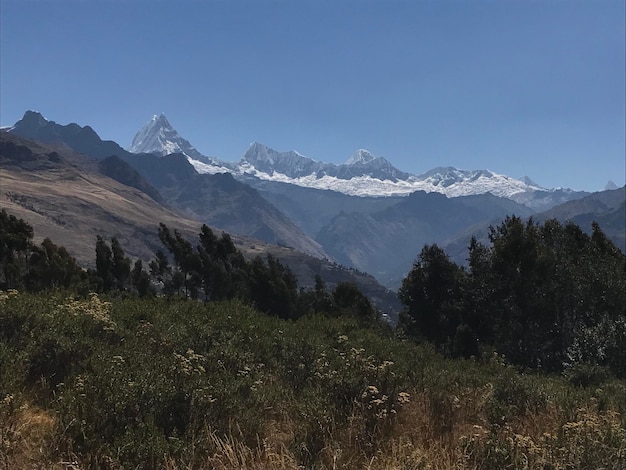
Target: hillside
(222, 202)
(385, 243)
(211, 199)
(151, 383)
(607, 208)
(66, 198)
(282, 198)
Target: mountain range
(364, 214)
(363, 174)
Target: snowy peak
(448, 176)
(161, 120)
(158, 136)
(365, 163)
(360, 157)
(266, 163)
(363, 174)
(264, 160)
(529, 181)
(259, 153)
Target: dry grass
(72, 207)
(536, 441)
(416, 440)
(27, 435)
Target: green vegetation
(152, 383)
(265, 376)
(545, 296)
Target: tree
(273, 287)
(15, 246)
(120, 264)
(159, 267)
(432, 294)
(548, 295)
(50, 266)
(323, 302)
(186, 275)
(104, 264)
(222, 267)
(349, 300)
(140, 279)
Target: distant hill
(608, 208)
(116, 168)
(66, 198)
(312, 209)
(386, 243)
(321, 209)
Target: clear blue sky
(520, 87)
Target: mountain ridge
(363, 174)
(211, 204)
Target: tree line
(212, 270)
(543, 295)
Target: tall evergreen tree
(120, 264)
(433, 294)
(140, 279)
(104, 264)
(349, 300)
(15, 245)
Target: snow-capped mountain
(361, 157)
(363, 174)
(158, 136)
(268, 164)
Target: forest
(200, 358)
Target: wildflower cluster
(97, 309)
(6, 295)
(189, 364)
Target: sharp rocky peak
(159, 137)
(160, 120)
(361, 157)
(31, 123)
(34, 117)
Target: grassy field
(118, 383)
